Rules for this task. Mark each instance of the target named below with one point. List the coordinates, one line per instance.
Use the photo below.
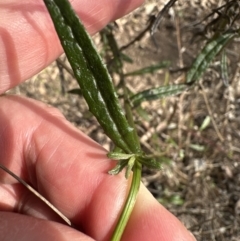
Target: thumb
(151, 221)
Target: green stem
(130, 202)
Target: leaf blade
(149, 69)
(92, 75)
(208, 53)
(157, 93)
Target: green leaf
(150, 69)
(130, 165)
(92, 75)
(205, 123)
(177, 200)
(208, 53)
(197, 147)
(173, 199)
(157, 93)
(75, 92)
(224, 69)
(119, 167)
(119, 156)
(149, 162)
(143, 113)
(126, 58)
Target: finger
(151, 221)
(64, 165)
(28, 40)
(71, 171)
(24, 228)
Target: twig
(210, 113)
(160, 16)
(61, 76)
(140, 35)
(234, 148)
(61, 63)
(180, 118)
(179, 42)
(36, 194)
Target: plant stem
(130, 202)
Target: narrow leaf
(157, 93)
(119, 156)
(150, 163)
(126, 58)
(205, 123)
(130, 165)
(119, 167)
(92, 75)
(224, 69)
(208, 53)
(197, 147)
(75, 92)
(150, 69)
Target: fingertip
(151, 221)
(29, 42)
(20, 227)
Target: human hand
(63, 164)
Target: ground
(200, 177)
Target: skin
(63, 164)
